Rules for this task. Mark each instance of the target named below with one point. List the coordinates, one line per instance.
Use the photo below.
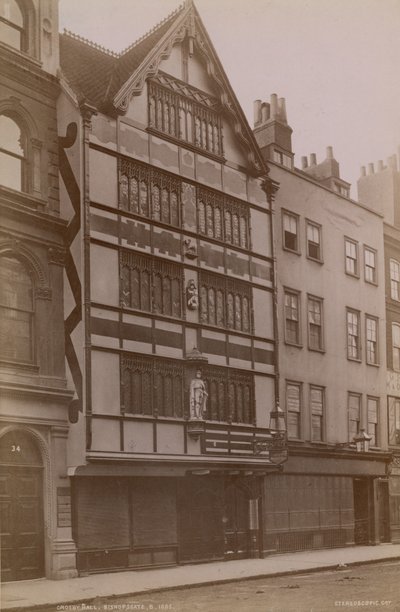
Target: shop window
(16, 311)
(225, 302)
(150, 285)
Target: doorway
(383, 510)
(21, 504)
(236, 523)
(200, 519)
(362, 522)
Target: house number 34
(15, 448)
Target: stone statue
(198, 397)
(192, 295)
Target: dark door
(361, 511)
(383, 509)
(236, 523)
(21, 523)
(21, 490)
(201, 536)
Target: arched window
(12, 154)
(12, 26)
(16, 311)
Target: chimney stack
(371, 168)
(329, 152)
(274, 106)
(257, 111)
(304, 162)
(264, 112)
(380, 166)
(282, 110)
(363, 171)
(313, 159)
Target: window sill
(295, 252)
(300, 346)
(351, 275)
(317, 350)
(373, 283)
(374, 365)
(354, 359)
(187, 145)
(23, 198)
(19, 365)
(315, 260)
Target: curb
(103, 598)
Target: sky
(336, 62)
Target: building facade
(332, 358)
(379, 187)
(169, 303)
(36, 537)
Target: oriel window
(150, 285)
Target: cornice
(47, 394)
(15, 205)
(332, 452)
(28, 72)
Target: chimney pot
(282, 110)
(264, 112)
(363, 171)
(380, 165)
(329, 152)
(371, 168)
(274, 106)
(304, 162)
(257, 112)
(313, 159)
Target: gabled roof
(108, 80)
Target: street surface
(368, 587)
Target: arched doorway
(21, 502)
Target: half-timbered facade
(169, 303)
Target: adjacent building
(36, 537)
(332, 357)
(379, 188)
(169, 303)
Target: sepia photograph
(200, 305)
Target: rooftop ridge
(152, 30)
(90, 43)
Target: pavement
(63, 594)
